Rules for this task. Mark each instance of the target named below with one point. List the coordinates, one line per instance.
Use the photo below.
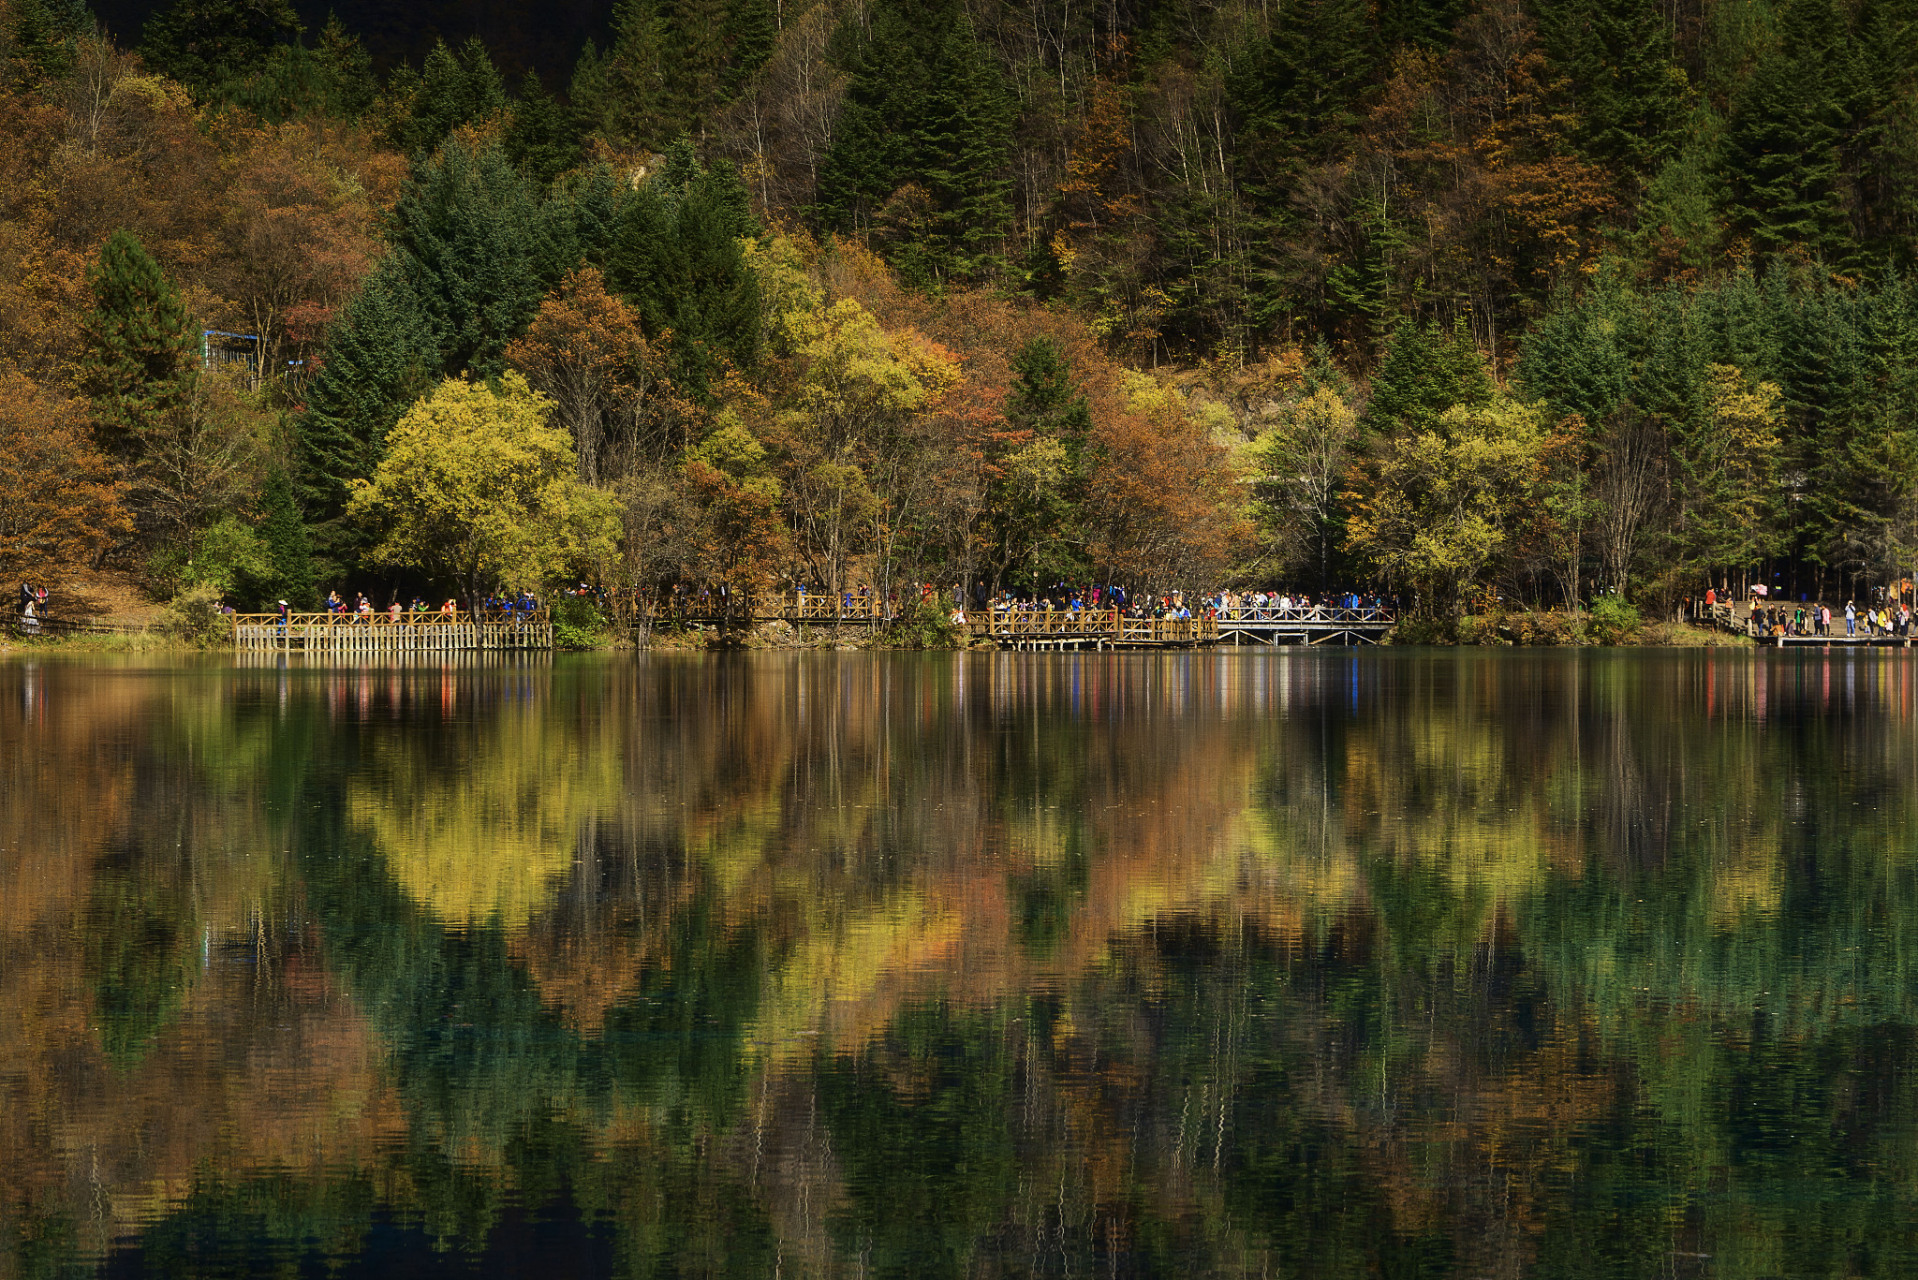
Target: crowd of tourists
(1887, 614)
(361, 609)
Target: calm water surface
(1307, 964)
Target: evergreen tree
(623, 92)
(1425, 372)
(945, 173)
(139, 343)
(752, 33)
(453, 90)
(1039, 473)
(696, 69)
(1044, 401)
(478, 252)
(1296, 95)
(1781, 155)
(333, 80)
(289, 552)
(964, 141)
(346, 71)
(542, 139)
(1426, 24)
(1297, 92)
(38, 37)
(380, 357)
(676, 258)
(1861, 451)
(888, 74)
(205, 43)
(1633, 98)
(595, 200)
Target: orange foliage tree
(63, 508)
(585, 351)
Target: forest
(1512, 300)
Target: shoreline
(1503, 631)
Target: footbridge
(1028, 628)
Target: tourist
(1851, 618)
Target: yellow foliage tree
(478, 488)
(1437, 508)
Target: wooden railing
(1314, 616)
(1019, 626)
(20, 625)
(802, 607)
(387, 633)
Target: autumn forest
(1520, 300)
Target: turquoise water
(1284, 963)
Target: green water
(1376, 963)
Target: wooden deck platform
(380, 635)
(1050, 628)
(1323, 625)
(1725, 618)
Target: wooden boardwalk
(1726, 618)
(380, 635)
(1089, 629)
(1324, 624)
(1047, 628)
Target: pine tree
(1632, 97)
(944, 172)
(1297, 96)
(623, 92)
(1424, 23)
(752, 33)
(1861, 453)
(1044, 401)
(676, 259)
(205, 43)
(453, 90)
(595, 201)
(380, 357)
(542, 140)
(39, 37)
(1298, 91)
(139, 344)
(1040, 469)
(964, 140)
(289, 551)
(476, 252)
(872, 155)
(1425, 372)
(333, 80)
(1781, 155)
(696, 71)
(347, 71)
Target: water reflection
(1286, 963)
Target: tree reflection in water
(1281, 963)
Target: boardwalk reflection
(1320, 963)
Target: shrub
(928, 625)
(1541, 628)
(578, 623)
(1612, 620)
(194, 616)
(227, 557)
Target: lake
(1309, 963)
